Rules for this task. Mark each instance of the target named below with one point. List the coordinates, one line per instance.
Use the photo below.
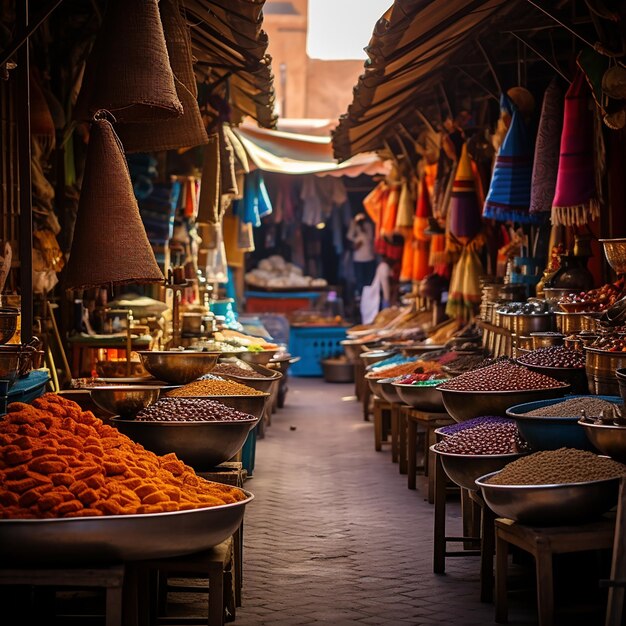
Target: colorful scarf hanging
(421, 241)
(390, 211)
(465, 219)
(406, 205)
(464, 293)
(575, 201)
(509, 191)
(546, 162)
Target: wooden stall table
(110, 578)
(543, 543)
(428, 422)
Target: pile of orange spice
(406, 368)
(57, 460)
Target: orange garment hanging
(421, 241)
(390, 211)
(374, 204)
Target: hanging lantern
(110, 246)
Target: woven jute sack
(128, 71)
(110, 246)
(188, 129)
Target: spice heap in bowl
(472, 452)
(191, 410)
(422, 379)
(213, 388)
(554, 356)
(229, 369)
(553, 424)
(598, 299)
(493, 389)
(452, 429)
(561, 486)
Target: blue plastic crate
(312, 345)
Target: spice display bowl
(202, 445)
(124, 400)
(252, 405)
(260, 357)
(421, 397)
(464, 469)
(271, 378)
(615, 253)
(389, 392)
(117, 538)
(607, 438)
(339, 370)
(420, 348)
(375, 387)
(546, 340)
(601, 366)
(352, 348)
(374, 356)
(576, 377)
(550, 505)
(465, 405)
(551, 433)
(178, 367)
(8, 323)
(572, 323)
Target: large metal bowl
(374, 356)
(601, 366)
(551, 433)
(252, 405)
(465, 405)
(375, 387)
(550, 505)
(352, 348)
(117, 538)
(124, 400)
(607, 438)
(576, 377)
(464, 469)
(389, 392)
(203, 445)
(262, 357)
(423, 398)
(267, 384)
(178, 367)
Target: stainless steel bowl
(117, 538)
(389, 392)
(338, 370)
(124, 400)
(252, 405)
(374, 356)
(352, 348)
(423, 398)
(465, 405)
(607, 438)
(549, 505)
(464, 469)
(375, 387)
(178, 367)
(203, 445)
(267, 384)
(260, 358)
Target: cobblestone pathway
(334, 535)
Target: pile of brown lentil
(557, 467)
(554, 356)
(234, 370)
(190, 410)
(501, 377)
(573, 407)
(484, 439)
(213, 388)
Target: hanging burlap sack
(110, 246)
(128, 71)
(188, 129)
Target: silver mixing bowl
(124, 400)
(262, 357)
(375, 387)
(607, 438)
(464, 469)
(390, 393)
(178, 367)
(252, 405)
(549, 505)
(203, 445)
(423, 398)
(465, 405)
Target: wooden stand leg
(394, 433)
(411, 465)
(439, 544)
(502, 565)
(378, 427)
(402, 453)
(487, 546)
(367, 396)
(430, 464)
(615, 603)
(216, 597)
(545, 592)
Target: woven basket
(187, 130)
(110, 246)
(128, 71)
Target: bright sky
(340, 29)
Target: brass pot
(546, 340)
(570, 323)
(525, 324)
(601, 366)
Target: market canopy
(232, 61)
(293, 153)
(424, 53)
